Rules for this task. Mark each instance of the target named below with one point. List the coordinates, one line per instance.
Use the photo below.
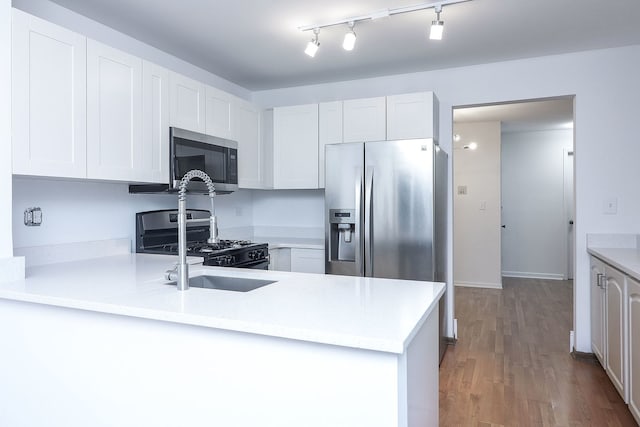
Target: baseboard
(529, 275)
(584, 357)
(479, 285)
(450, 340)
(12, 269)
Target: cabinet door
(329, 132)
(114, 113)
(249, 147)
(219, 112)
(411, 116)
(364, 120)
(615, 301)
(155, 124)
(187, 99)
(598, 311)
(295, 147)
(633, 310)
(280, 259)
(49, 99)
(305, 260)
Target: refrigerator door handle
(368, 223)
(358, 214)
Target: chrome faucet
(181, 272)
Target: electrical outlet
(32, 217)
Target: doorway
(513, 191)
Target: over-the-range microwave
(188, 150)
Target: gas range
(157, 233)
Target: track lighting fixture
(437, 26)
(349, 42)
(349, 38)
(314, 44)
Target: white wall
(476, 214)
(606, 87)
(534, 240)
(300, 212)
(77, 211)
(57, 14)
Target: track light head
(437, 26)
(349, 38)
(314, 44)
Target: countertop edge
(601, 254)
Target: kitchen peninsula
(106, 341)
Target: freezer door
(344, 166)
(398, 209)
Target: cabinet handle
(599, 277)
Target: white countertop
(626, 260)
(374, 314)
(291, 242)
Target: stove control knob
(252, 255)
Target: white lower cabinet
(300, 260)
(633, 340)
(305, 260)
(615, 330)
(598, 310)
(280, 259)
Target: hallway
(511, 365)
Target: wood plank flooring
(511, 365)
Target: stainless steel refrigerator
(385, 211)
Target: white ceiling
(256, 43)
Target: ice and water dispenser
(342, 234)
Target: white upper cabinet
(187, 99)
(49, 99)
(412, 115)
(247, 133)
(295, 147)
(155, 124)
(329, 132)
(364, 120)
(220, 111)
(114, 113)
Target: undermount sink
(226, 283)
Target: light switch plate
(610, 206)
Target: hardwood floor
(511, 365)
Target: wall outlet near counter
(32, 217)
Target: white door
(411, 115)
(250, 154)
(155, 124)
(329, 132)
(569, 210)
(219, 112)
(295, 147)
(633, 307)
(48, 99)
(364, 120)
(187, 99)
(114, 113)
(598, 311)
(615, 329)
